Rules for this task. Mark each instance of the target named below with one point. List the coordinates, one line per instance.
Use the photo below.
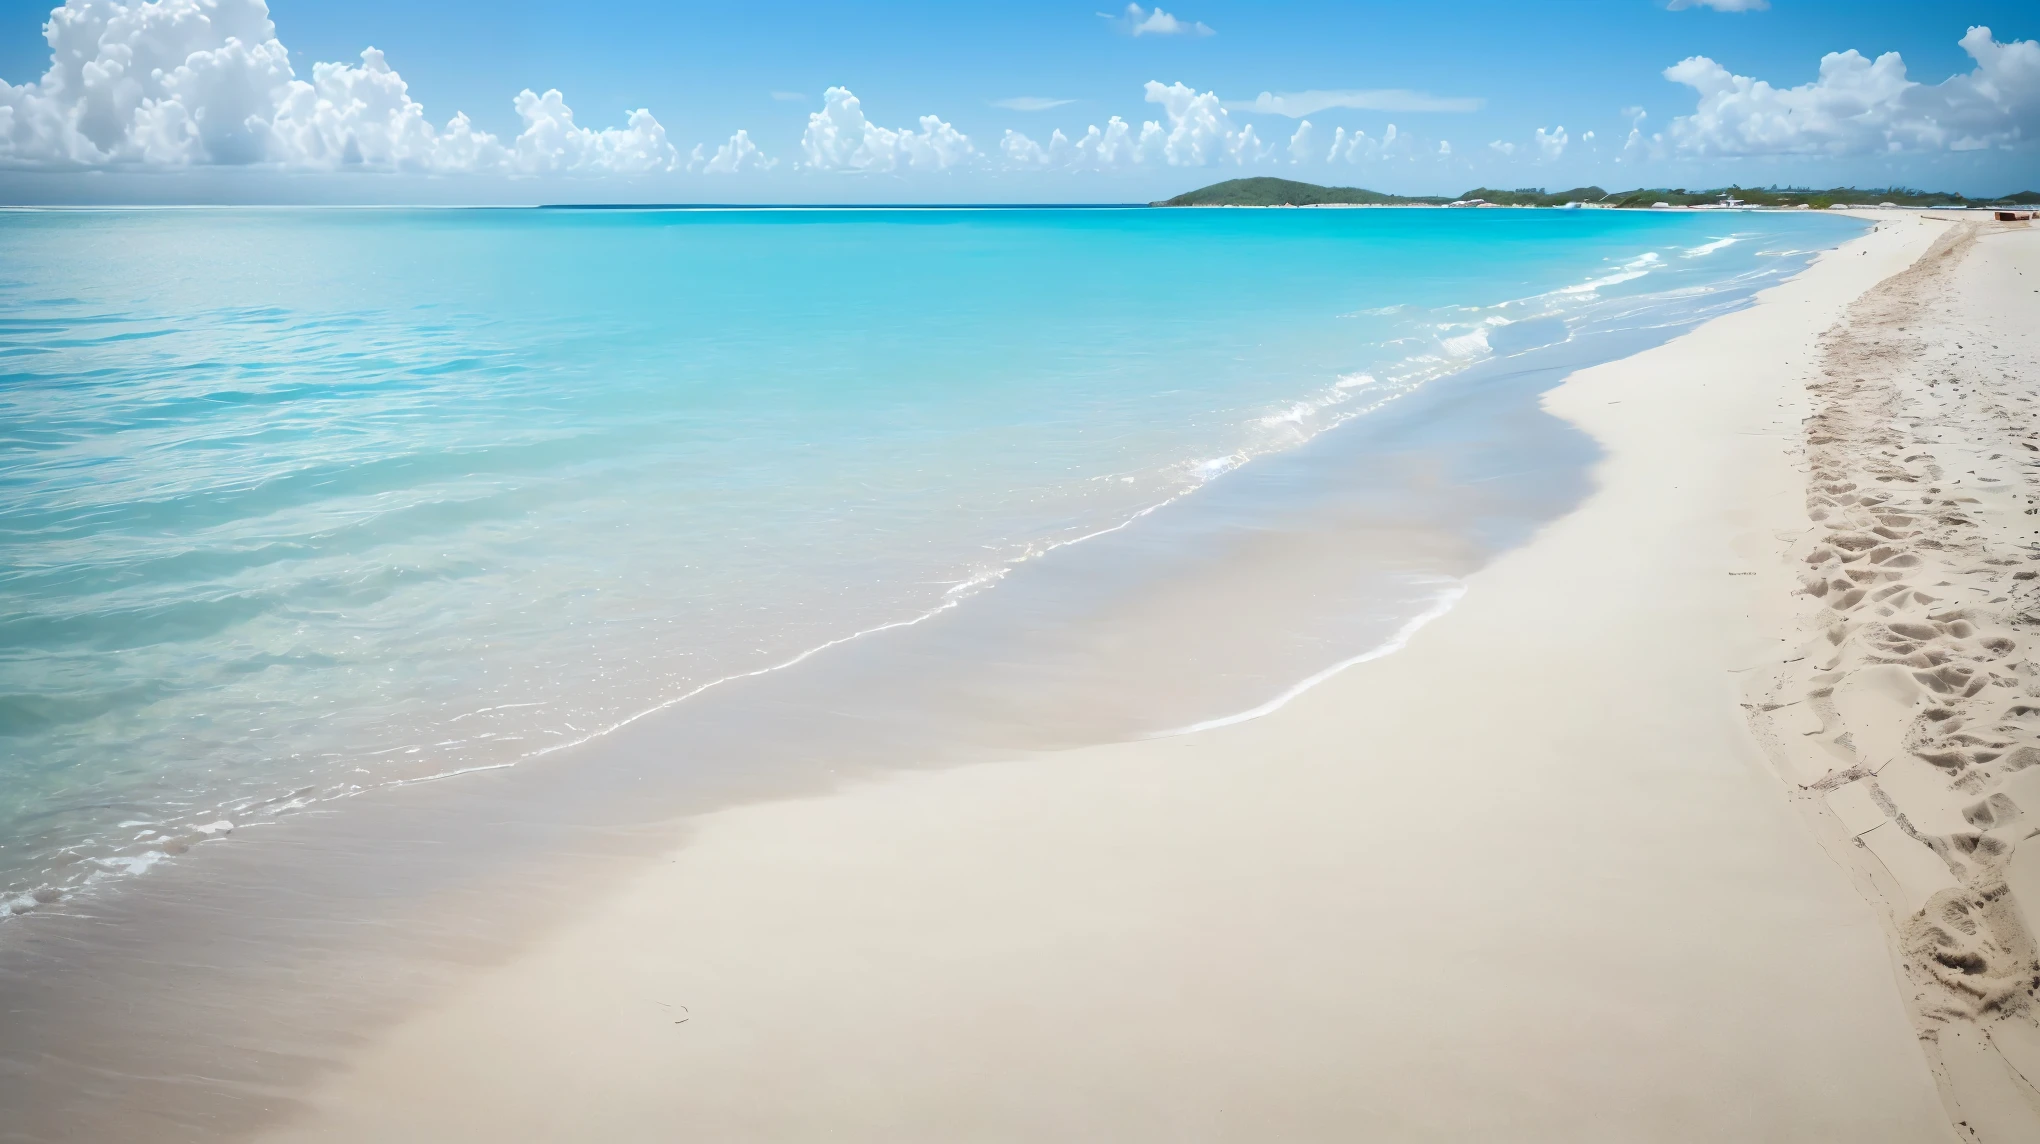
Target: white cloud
(1114, 146)
(734, 157)
(552, 143)
(839, 138)
(1721, 5)
(1351, 147)
(1859, 106)
(1297, 104)
(190, 82)
(1030, 103)
(1020, 151)
(1357, 145)
(1444, 149)
(1140, 22)
(1199, 132)
(1544, 146)
(1194, 131)
(1299, 143)
(1635, 145)
(1551, 146)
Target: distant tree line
(1264, 191)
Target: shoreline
(1293, 926)
(273, 951)
(1324, 410)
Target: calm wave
(295, 504)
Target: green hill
(1267, 192)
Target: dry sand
(1908, 716)
(1532, 878)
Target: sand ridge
(1907, 722)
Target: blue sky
(1424, 98)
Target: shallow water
(298, 503)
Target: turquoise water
(298, 503)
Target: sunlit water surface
(297, 503)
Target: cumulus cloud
(1858, 106)
(1297, 104)
(194, 82)
(1195, 131)
(1021, 152)
(1544, 146)
(1358, 145)
(1140, 22)
(1115, 145)
(840, 138)
(552, 143)
(1200, 131)
(1030, 103)
(1721, 5)
(1299, 143)
(732, 158)
(1636, 145)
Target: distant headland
(1270, 192)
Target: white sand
(1531, 878)
(1908, 716)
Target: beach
(1547, 872)
(1208, 573)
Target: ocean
(300, 504)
